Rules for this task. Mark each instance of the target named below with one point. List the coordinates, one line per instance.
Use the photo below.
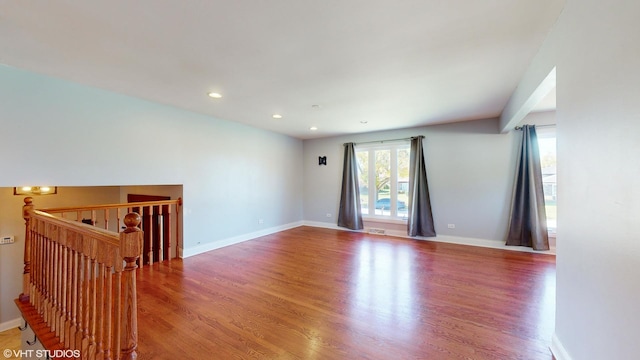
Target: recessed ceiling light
(214, 95)
(363, 122)
(316, 106)
(276, 116)
(313, 128)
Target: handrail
(112, 206)
(80, 285)
(81, 228)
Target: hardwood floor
(10, 343)
(311, 293)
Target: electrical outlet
(451, 226)
(260, 221)
(328, 215)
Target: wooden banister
(130, 248)
(111, 206)
(27, 208)
(160, 223)
(79, 284)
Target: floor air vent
(376, 231)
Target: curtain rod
(388, 140)
(537, 126)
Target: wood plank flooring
(311, 293)
(10, 340)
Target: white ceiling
(391, 64)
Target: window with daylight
(547, 147)
(383, 176)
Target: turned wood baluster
(93, 304)
(179, 240)
(71, 295)
(100, 320)
(130, 249)
(85, 297)
(26, 279)
(37, 265)
(106, 219)
(75, 297)
(40, 280)
(168, 234)
(80, 303)
(117, 311)
(150, 244)
(108, 333)
(64, 287)
(42, 266)
(46, 275)
(161, 228)
(52, 276)
(55, 278)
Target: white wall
(61, 133)
(598, 251)
(470, 169)
(172, 191)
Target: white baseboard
(10, 324)
(326, 225)
(494, 244)
(185, 253)
(558, 351)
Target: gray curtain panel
(528, 218)
(420, 217)
(350, 213)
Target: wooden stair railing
(161, 227)
(79, 285)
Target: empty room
(320, 180)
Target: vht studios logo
(47, 354)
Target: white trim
(370, 149)
(384, 144)
(386, 220)
(185, 253)
(10, 324)
(488, 243)
(558, 351)
(494, 244)
(326, 225)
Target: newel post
(27, 208)
(130, 249)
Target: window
(547, 147)
(383, 176)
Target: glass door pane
(402, 182)
(547, 147)
(363, 180)
(382, 180)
